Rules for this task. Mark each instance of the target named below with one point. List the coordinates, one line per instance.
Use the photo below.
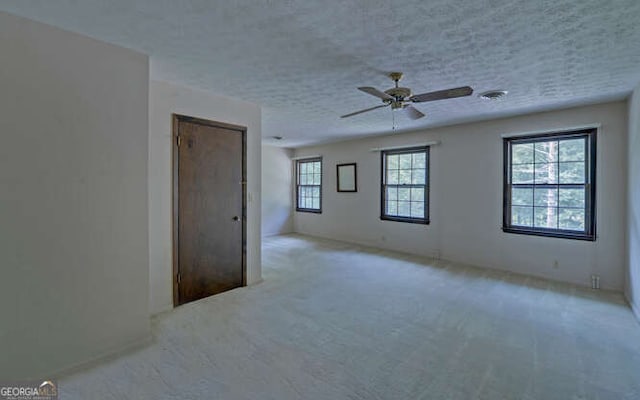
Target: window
(309, 185)
(549, 185)
(405, 185)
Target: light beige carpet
(337, 321)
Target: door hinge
(178, 277)
(178, 140)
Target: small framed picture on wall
(347, 177)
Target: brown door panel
(210, 209)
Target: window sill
(551, 233)
(309, 210)
(407, 220)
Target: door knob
(236, 218)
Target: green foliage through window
(549, 184)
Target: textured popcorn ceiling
(303, 59)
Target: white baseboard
(163, 309)
(278, 233)
(256, 282)
(101, 358)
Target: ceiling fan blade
(442, 94)
(413, 112)
(375, 92)
(363, 111)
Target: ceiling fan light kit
(401, 98)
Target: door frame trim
(176, 119)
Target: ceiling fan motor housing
(401, 97)
(400, 93)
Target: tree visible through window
(309, 185)
(550, 185)
(405, 185)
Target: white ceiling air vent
(493, 94)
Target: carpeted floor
(337, 321)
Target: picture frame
(347, 179)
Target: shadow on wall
(277, 205)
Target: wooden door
(209, 208)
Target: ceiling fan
(401, 97)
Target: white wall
(466, 199)
(164, 100)
(633, 203)
(277, 212)
(73, 199)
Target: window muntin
(309, 185)
(405, 185)
(549, 187)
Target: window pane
(404, 209)
(417, 194)
(405, 177)
(546, 173)
(572, 150)
(522, 173)
(572, 198)
(572, 172)
(545, 217)
(522, 216)
(309, 178)
(405, 161)
(545, 197)
(417, 177)
(571, 219)
(392, 193)
(546, 152)
(522, 197)
(402, 171)
(392, 207)
(547, 183)
(392, 162)
(392, 177)
(417, 209)
(419, 160)
(522, 153)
